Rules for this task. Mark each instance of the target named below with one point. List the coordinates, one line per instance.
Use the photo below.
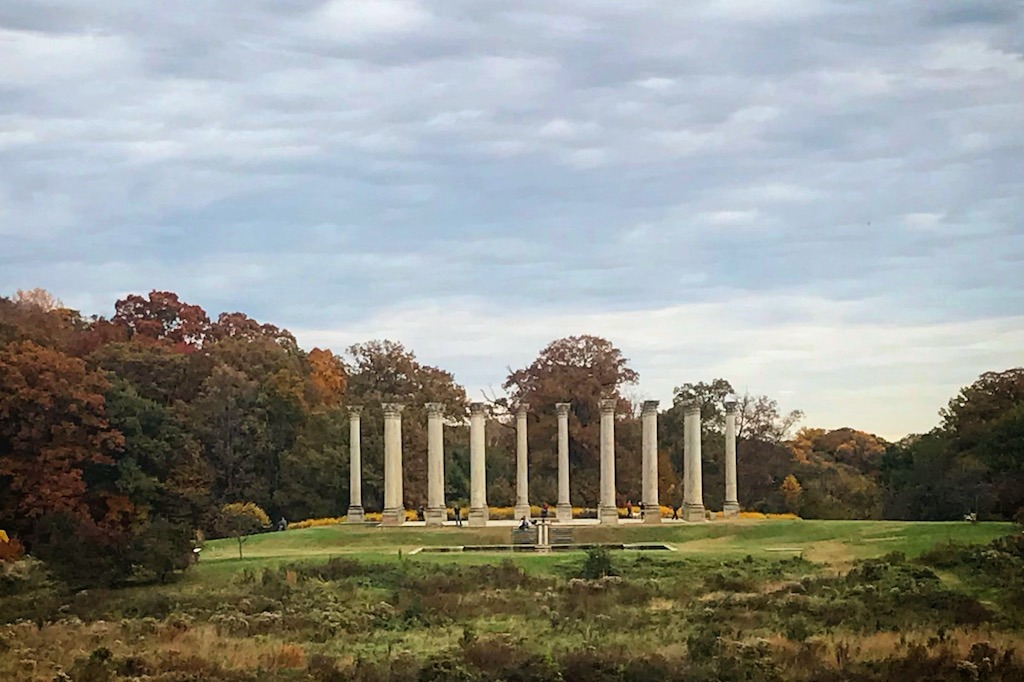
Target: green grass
(834, 543)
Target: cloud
(851, 367)
(551, 168)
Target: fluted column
(436, 512)
(693, 490)
(355, 466)
(649, 448)
(478, 513)
(607, 512)
(564, 509)
(732, 505)
(522, 470)
(394, 506)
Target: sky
(819, 201)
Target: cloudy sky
(821, 201)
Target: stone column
(649, 448)
(522, 467)
(436, 513)
(607, 512)
(563, 511)
(355, 466)
(693, 491)
(732, 505)
(478, 513)
(394, 506)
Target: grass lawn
(835, 543)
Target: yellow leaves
(790, 486)
(3, 536)
(327, 376)
(791, 490)
(245, 509)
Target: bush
(598, 564)
(1018, 518)
(79, 553)
(160, 549)
(10, 548)
(316, 523)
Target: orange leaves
(53, 426)
(327, 377)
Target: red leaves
(163, 317)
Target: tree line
(129, 432)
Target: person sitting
(524, 524)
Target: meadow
(743, 600)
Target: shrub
(598, 564)
(316, 523)
(10, 548)
(80, 553)
(160, 549)
(1018, 518)
(99, 667)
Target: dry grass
(40, 653)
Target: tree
(385, 371)
(858, 449)
(327, 377)
(160, 549)
(230, 426)
(759, 418)
(39, 298)
(580, 370)
(160, 469)
(791, 492)
(242, 327)
(241, 519)
(972, 411)
(36, 316)
(163, 317)
(53, 427)
(156, 372)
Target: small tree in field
(791, 491)
(241, 519)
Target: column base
(652, 513)
(694, 513)
(731, 510)
(607, 514)
(521, 511)
(563, 512)
(355, 515)
(478, 516)
(392, 517)
(435, 516)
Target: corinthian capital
(392, 409)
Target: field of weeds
(945, 610)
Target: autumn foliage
(118, 434)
